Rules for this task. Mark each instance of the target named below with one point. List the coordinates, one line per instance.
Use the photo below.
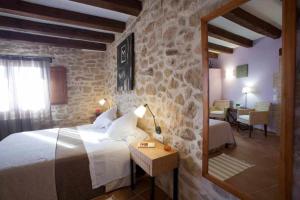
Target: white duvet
(109, 159)
(28, 148)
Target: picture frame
(125, 64)
(242, 71)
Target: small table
(93, 118)
(155, 161)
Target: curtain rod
(19, 57)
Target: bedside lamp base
(158, 130)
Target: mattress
(220, 134)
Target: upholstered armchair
(219, 109)
(256, 116)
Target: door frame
(289, 27)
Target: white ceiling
(268, 10)
(230, 26)
(76, 7)
(52, 22)
(81, 8)
(221, 42)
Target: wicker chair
(251, 117)
(219, 109)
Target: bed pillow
(122, 127)
(105, 119)
(137, 135)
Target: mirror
(242, 123)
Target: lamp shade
(246, 90)
(102, 102)
(140, 111)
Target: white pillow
(123, 126)
(105, 119)
(137, 135)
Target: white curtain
(24, 95)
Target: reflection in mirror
(244, 98)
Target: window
(23, 86)
(4, 100)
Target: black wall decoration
(125, 57)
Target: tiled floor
(261, 181)
(141, 192)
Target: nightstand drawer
(141, 160)
(154, 161)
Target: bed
(68, 163)
(220, 134)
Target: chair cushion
(217, 112)
(243, 119)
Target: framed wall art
(125, 64)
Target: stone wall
(167, 76)
(84, 77)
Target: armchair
(251, 117)
(219, 109)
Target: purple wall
(263, 62)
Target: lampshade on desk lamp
(140, 112)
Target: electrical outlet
(159, 137)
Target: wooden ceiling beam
(21, 25)
(249, 21)
(227, 36)
(26, 9)
(219, 48)
(213, 55)
(61, 42)
(130, 7)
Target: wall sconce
(229, 74)
(140, 112)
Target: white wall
(263, 63)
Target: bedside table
(155, 161)
(93, 118)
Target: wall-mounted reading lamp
(140, 112)
(102, 102)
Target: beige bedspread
(220, 133)
(47, 164)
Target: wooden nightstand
(93, 118)
(155, 161)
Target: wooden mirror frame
(289, 27)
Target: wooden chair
(219, 109)
(256, 116)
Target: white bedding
(12, 147)
(109, 159)
(220, 133)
